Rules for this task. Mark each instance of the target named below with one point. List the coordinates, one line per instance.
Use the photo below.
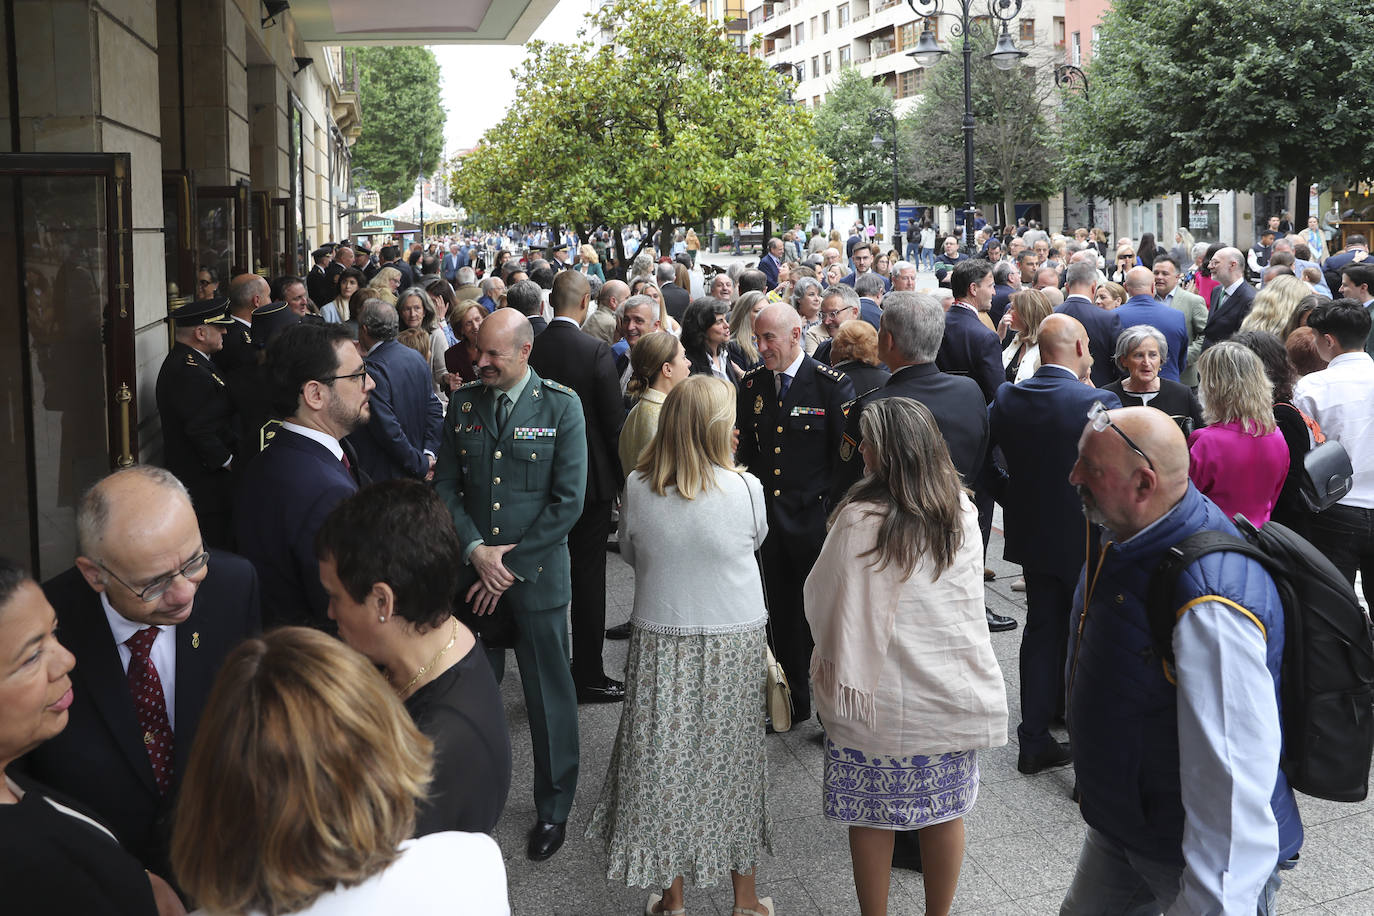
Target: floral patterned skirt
(898, 793)
(686, 788)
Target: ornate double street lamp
(1071, 79)
(876, 117)
(1004, 56)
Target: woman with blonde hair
(685, 790)
(693, 245)
(657, 364)
(1275, 304)
(301, 789)
(1241, 459)
(741, 349)
(1110, 296)
(589, 262)
(1021, 358)
(903, 672)
(388, 278)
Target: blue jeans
(1113, 881)
(927, 258)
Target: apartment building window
(842, 16)
(910, 83)
(815, 101)
(1076, 50)
(827, 61)
(815, 31)
(799, 33)
(1059, 31)
(825, 22)
(845, 56)
(815, 68)
(1092, 49)
(907, 35)
(1028, 31)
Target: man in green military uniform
(513, 471)
(198, 431)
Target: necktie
(151, 706)
(784, 382)
(502, 410)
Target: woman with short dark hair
(705, 334)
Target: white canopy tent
(433, 212)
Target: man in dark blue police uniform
(791, 419)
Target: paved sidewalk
(1023, 834)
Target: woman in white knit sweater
(684, 794)
(903, 673)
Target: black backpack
(1326, 681)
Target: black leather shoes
(608, 691)
(997, 623)
(619, 631)
(545, 840)
(1056, 755)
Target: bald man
(150, 615)
(1228, 269)
(1141, 307)
(790, 416)
(247, 292)
(1213, 842)
(1036, 424)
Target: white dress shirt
(1338, 398)
(163, 654)
(324, 439)
(790, 371)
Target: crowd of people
(275, 687)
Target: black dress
(1174, 398)
(461, 712)
(54, 862)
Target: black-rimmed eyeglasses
(331, 379)
(158, 587)
(1101, 419)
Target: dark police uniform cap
(207, 311)
(321, 252)
(270, 320)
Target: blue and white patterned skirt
(898, 793)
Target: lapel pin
(195, 640)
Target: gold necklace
(432, 662)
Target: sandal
(655, 900)
(765, 902)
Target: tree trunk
(618, 241)
(1301, 202)
(1009, 207)
(1186, 217)
(767, 234)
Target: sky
(477, 87)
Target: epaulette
(550, 383)
(472, 384)
(827, 372)
(755, 371)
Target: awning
(419, 22)
(410, 211)
(376, 224)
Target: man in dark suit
(771, 261)
(320, 386)
(871, 290)
(1356, 252)
(863, 264)
(513, 523)
(969, 346)
(675, 298)
(1228, 269)
(1080, 283)
(197, 411)
(317, 285)
(790, 415)
(148, 640)
(564, 354)
(343, 259)
(1006, 280)
(247, 292)
(527, 298)
(1036, 424)
(402, 437)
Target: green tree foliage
(669, 126)
(1013, 140)
(1223, 94)
(403, 122)
(845, 127)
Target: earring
(381, 619)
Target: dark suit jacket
(822, 354)
(318, 287)
(871, 312)
(1037, 424)
(970, 348)
(793, 447)
(956, 403)
(538, 323)
(99, 758)
(1225, 319)
(1331, 268)
(407, 418)
(1000, 302)
(769, 265)
(282, 501)
(1103, 327)
(676, 299)
(864, 377)
(566, 355)
(849, 281)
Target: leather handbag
(1326, 476)
(779, 693)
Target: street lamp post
(875, 117)
(1072, 79)
(1004, 56)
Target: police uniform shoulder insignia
(748, 377)
(472, 384)
(833, 374)
(191, 359)
(555, 386)
(847, 446)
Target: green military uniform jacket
(521, 485)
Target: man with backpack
(1212, 842)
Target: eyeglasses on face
(1101, 419)
(331, 379)
(835, 313)
(158, 587)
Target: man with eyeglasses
(1178, 766)
(839, 303)
(150, 615)
(320, 388)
